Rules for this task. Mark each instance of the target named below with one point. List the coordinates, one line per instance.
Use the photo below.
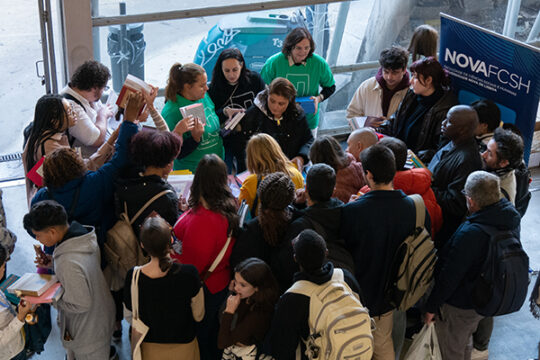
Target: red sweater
(418, 181)
(203, 234)
(349, 180)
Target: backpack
(523, 194)
(339, 326)
(413, 264)
(122, 249)
(501, 287)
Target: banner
(484, 64)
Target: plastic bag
(425, 345)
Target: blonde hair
(264, 156)
(179, 75)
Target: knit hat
(276, 191)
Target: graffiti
(213, 48)
(277, 42)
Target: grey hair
(483, 188)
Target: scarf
(387, 93)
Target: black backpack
(501, 287)
(523, 195)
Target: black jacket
(325, 219)
(250, 243)
(136, 191)
(450, 167)
(290, 323)
(292, 134)
(430, 130)
(461, 259)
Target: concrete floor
(516, 336)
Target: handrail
(208, 11)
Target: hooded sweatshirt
(86, 309)
(461, 259)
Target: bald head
(460, 123)
(361, 139)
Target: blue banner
(484, 64)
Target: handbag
(139, 328)
(250, 352)
(218, 259)
(425, 345)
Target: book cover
(54, 292)
(181, 184)
(32, 284)
(235, 120)
(413, 161)
(132, 84)
(357, 122)
(307, 103)
(243, 176)
(197, 110)
(36, 173)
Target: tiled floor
(516, 336)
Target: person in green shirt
(305, 70)
(186, 86)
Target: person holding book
(264, 237)
(187, 86)
(264, 157)
(12, 339)
(233, 89)
(307, 71)
(172, 324)
(276, 113)
(205, 229)
(254, 292)
(86, 308)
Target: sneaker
(112, 354)
(479, 355)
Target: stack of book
(37, 288)
(131, 85)
(197, 110)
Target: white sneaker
(479, 355)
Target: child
(252, 302)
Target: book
(32, 284)
(357, 122)
(413, 161)
(242, 176)
(197, 110)
(7, 283)
(131, 85)
(36, 173)
(232, 122)
(181, 184)
(55, 292)
(307, 103)
(242, 212)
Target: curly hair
(154, 148)
(91, 74)
(211, 184)
(395, 57)
(43, 215)
(61, 166)
(259, 275)
(294, 37)
(276, 193)
(509, 147)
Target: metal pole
(122, 38)
(510, 20)
(318, 27)
(42, 19)
(50, 38)
(95, 31)
(535, 29)
(333, 52)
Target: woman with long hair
(310, 73)
(276, 113)
(187, 86)
(264, 157)
(254, 294)
(233, 89)
(178, 291)
(418, 119)
(265, 236)
(204, 230)
(423, 42)
(349, 172)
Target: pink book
(54, 292)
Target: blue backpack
(501, 287)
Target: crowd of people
(215, 286)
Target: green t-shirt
(211, 142)
(307, 79)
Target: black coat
(292, 134)
(461, 259)
(450, 167)
(430, 130)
